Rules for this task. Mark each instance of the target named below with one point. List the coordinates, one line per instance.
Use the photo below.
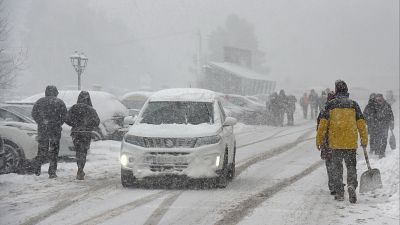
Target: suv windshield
(178, 112)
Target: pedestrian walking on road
(384, 121)
(290, 109)
(313, 100)
(304, 105)
(343, 121)
(49, 113)
(326, 152)
(370, 117)
(83, 119)
(282, 104)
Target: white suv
(180, 132)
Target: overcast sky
(307, 43)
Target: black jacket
(49, 113)
(82, 117)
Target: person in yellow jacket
(344, 121)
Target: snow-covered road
(279, 180)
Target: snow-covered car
(244, 109)
(110, 110)
(134, 101)
(2, 155)
(19, 132)
(182, 132)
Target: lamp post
(79, 62)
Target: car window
(178, 112)
(7, 116)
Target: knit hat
(341, 87)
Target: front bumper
(198, 162)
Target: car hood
(20, 125)
(174, 130)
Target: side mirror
(230, 121)
(129, 120)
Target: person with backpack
(83, 119)
(343, 121)
(49, 113)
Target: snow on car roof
(137, 93)
(106, 104)
(184, 94)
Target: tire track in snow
(273, 152)
(241, 210)
(66, 200)
(273, 136)
(104, 216)
(158, 214)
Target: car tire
(127, 178)
(232, 167)
(13, 157)
(222, 179)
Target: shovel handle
(366, 158)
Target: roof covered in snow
(239, 71)
(184, 94)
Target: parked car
(2, 156)
(110, 110)
(134, 101)
(19, 132)
(244, 109)
(182, 132)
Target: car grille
(169, 142)
(167, 161)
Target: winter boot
(80, 175)
(52, 176)
(38, 171)
(352, 194)
(339, 196)
(333, 192)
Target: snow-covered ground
(280, 180)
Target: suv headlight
(207, 140)
(134, 140)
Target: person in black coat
(370, 118)
(290, 109)
(83, 119)
(384, 121)
(49, 113)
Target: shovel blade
(370, 180)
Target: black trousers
(349, 157)
(330, 171)
(379, 141)
(48, 150)
(82, 145)
(290, 118)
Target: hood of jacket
(84, 98)
(51, 91)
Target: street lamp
(79, 62)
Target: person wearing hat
(343, 121)
(49, 113)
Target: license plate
(164, 160)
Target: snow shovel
(370, 179)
